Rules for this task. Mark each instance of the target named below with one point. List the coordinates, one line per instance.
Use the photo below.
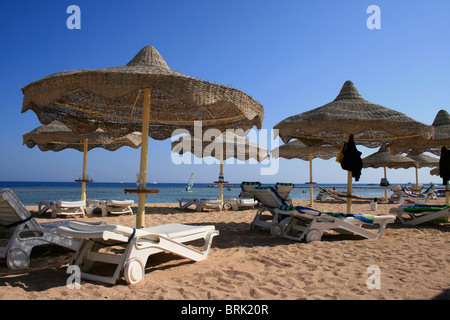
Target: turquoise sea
(30, 193)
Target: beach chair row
(245, 200)
(81, 208)
(92, 242)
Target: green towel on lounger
(418, 208)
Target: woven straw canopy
(231, 144)
(425, 161)
(417, 145)
(298, 150)
(384, 158)
(111, 99)
(56, 137)
(372, 125)
(145, 96)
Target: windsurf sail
(190, 183)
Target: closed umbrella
(56, 137)
(145, 96)
(297, 149)
(371, 125)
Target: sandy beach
(254, 265)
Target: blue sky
(291, 56)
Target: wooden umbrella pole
(349, 192)
(140, 216)
(417, 177)
(310, 181)
(447, 194)
(83, 177)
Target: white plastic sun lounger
(114, 207)
(416, 214)
(245, 199)
(312, 224)
(239, 203)
(137, 245)
(270, 199)
(201, 203)
(401, 196)
(22, 232)
(64, 208)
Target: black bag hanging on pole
(444, 165)
(351, 160)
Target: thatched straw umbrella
(56, 137)
(118, 100)
(372, 125)
(417, 145)
(298, 150)
(384, 159)
(423, 160)
(224, 146)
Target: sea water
(30, 193)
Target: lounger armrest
(105, 235)
(120, 202)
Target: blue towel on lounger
(369, 219)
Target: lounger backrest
(284, 189)
(247, 187)
(430, 189)
(12, 212)
(268, 196)
(396, 188)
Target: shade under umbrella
(383, 158)
(56, 137)
(222, 147)
(371, 125)
(297, 149)
(118, 100)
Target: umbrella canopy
(56, 137)
(417, 145)
(225, 146)
(297, 149)
(145, 96)
(372, 125)
(383, 158)
(423, 161)
(112, 99)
